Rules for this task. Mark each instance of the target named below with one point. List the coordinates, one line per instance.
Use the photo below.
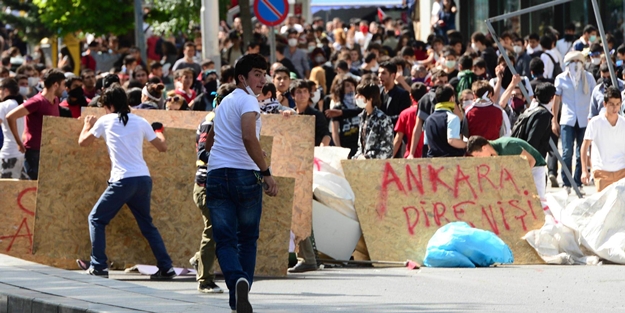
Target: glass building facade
(580, 12)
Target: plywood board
(401, 203)
(72, 178)
(293, 152)
(17, 208)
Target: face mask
(593, 38)
(249, 90)
(473, 46)
(211, 86)
(569, 38)
(518, 104)
(293, 42)
(619, 63)
(316, 96)
(379, 42)
(467, 103)
(320, 59)
(595, 61)
(24, 91)
(76, 93)
(36, 56)
(360, 102)
(311, 48)
(518, 49)
(33, 81)
(450, 64)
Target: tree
(28, 24)
(98, 17)
(180, 16)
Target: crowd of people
(371, 86)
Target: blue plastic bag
(459, 245)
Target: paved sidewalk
(539, 288)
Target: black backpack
(557, 69)
(519, 130)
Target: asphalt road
(540, 288)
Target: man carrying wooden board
(480, 147)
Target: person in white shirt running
(130, 182)
(605, 132)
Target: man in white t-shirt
(12, 159)
(237, 173)
(605, 131)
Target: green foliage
(89, 16)
(180, 16)
(28, 25)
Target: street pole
(139, 36)
(272, 44)
(210, 32)
(605, 43)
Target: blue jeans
(136, 192)
(568, 135)
(234, 200)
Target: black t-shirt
(348, 128)
(394, 102)
(490, 57)
(321, 124)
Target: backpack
(519, 130)
(465, 82)
(557, 69)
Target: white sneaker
(242, 289)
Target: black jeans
(31, 163)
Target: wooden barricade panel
(401, 203)
(17, 208)
(292, 156)
(72, 178)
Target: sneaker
(209, 287)
(581, 190)
(99, 273)
(84, 265)
(242, 290)
(163, 275)
(554, 181)
(303, 267)
(568, 189)
(194, 262)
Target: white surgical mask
(33, 81)
(595, 61)
(319, 59)
(467, 103)
(473, 46)
(316, 96)
(517, 49)
(360, 102)
(593, 38)
(249, 90)
(36, 56)
(293, 42)
(24, 91)
(311, 48)
(450, 64)
(379, 42)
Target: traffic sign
(271, 12)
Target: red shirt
(484, 121)
(75, 109)
(405, 124)
(37, 107)
(187, 97)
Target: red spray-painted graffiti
(450, 199)
(22, 231)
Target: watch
(266, 172)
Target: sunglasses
(174, 99)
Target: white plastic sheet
(595, 224)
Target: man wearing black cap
(108, 80)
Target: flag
(381, 15)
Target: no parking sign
(271, 12)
